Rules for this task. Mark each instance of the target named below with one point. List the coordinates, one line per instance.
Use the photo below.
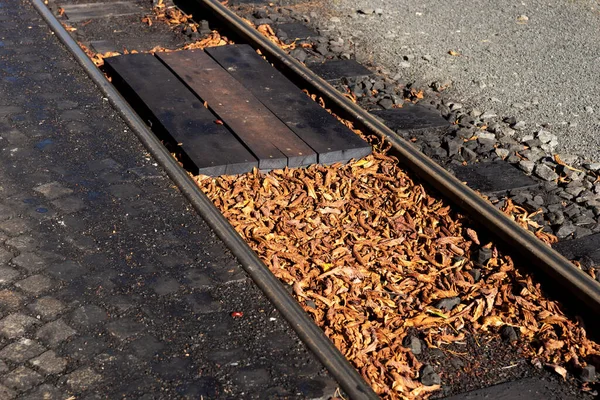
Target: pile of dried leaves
(369, 253)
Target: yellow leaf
(454, 53)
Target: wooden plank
(496, 177)
(81, 12)
(411, 118)
(332, 141)
(177, 115)
(334, 71)
(262, 132)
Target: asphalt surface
(110, 285)
(542, 69)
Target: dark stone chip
(483, 255)
(429, 377)
(448, 304)
(509, 334)
(588, 373)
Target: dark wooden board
(411, 117)
(82, 12)
(493, 177)
(269, 139)
(334, 71)
(332, 141)
(177, 115)
(296, 30)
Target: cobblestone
(8, 275)
(111, 286)
(88, 316)
(49, 363)
(15, 325)
(6, 393)
(47, 308)
(35, 285)
(21, 379)
(21, 350)
(83, 379)
(30, 262)
(55, 332)
(53, 190)
(47, 392)
(10, 300)
(15, 226)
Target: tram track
(522, 244)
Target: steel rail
(314, 338)
(518, 239)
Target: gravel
(535, 60)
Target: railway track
(547, 265)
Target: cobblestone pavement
(110, 285)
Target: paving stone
(248, 378)
(55, 332)
(21, 350)
(125, 191)
(83, 379)
(8, 275)
(30, 262)
(35, 285)
(121, 303)
(47, 308)
(228, 273)
(15, 226)
(69, 204)
(53, 190)
(165, 286)
(49, 363)
(66, 271)
(88, 316)
(15, 325)
(84, 348)
(6, 393)
(124, 328)
(104, 164)
(46, 392)
(203, 303)
(10, 300)
(171, 369)
(5, 256)
(23, 243)
(228, 356)
(198, 280)
(21, 379)
(146, 347)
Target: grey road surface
(536, 60)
